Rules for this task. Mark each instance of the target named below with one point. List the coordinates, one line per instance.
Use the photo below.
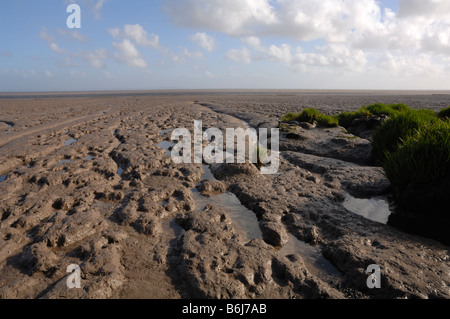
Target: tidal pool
(376, 209)
(70, 142)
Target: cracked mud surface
(86, 181)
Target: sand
(85, 180)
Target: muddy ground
(88, 181)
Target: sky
(225, 44)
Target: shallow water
(247, 225)
(311, 255)
(162, 132)
(167, 146)
(63, 162)
(243, 219)
(376, 209)
(70, 142)
(3, 177)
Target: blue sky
(220, 44)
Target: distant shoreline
(143, 93)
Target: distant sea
(100, 94)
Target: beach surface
(87, 179)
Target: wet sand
(86, 179)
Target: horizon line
(213, 90)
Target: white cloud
(73, 34)
(54, 47)
(354, 36)
(129, 55)
(204, 41)
(137, 33)
(232, 17)
(185, 54)
(424, 9)
(242, 55)
(45, 36)
(359, 24)
(209, 75)
(409, 65)
(331, 57)
(97, 8)
(96, 59)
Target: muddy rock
(212, 252)
(358, 180)
(327, 142)
(37, 257)
(71, 203)
(210, 188)
(365, 127)
(75, 228)
(274, 233)
(398, 263)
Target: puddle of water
(167, 146)
(70, 142)
(63, 162)
(311, 255)
(10, 124)
(162, 132)
(244, 220)
(376, 209)
(171, 226)
(3, 177)
(120, 171)
(246, 223)
(89, 158)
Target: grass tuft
(422, 158)
(391, 135)
(444, 113)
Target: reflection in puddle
(247, 225)
(376, 209)
(172, 226)
(120, 171)
(70, 142)
(312, 256)
(162, 132)
(63, 162)
(10, 124)
(244, 220)
(3, 177)
(167, 146)
(89, 158)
